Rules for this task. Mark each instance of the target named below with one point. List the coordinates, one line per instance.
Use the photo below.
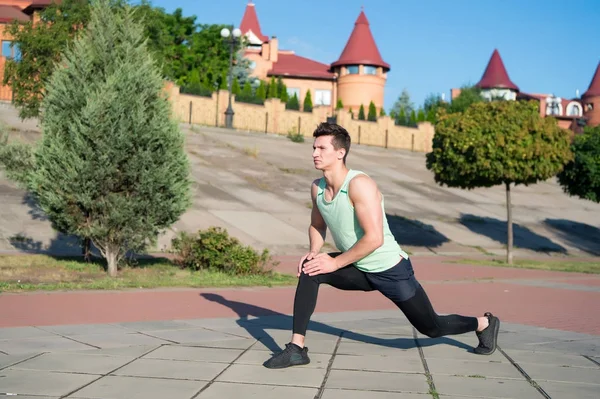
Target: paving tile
(567, 390)
(223, 390)
(363, 380)
(118, 340)
(84, 329)
(238, 343)
(155, 325)
(37, 345)
(113, 387)
(525, 358)
(21, 382)
(23, 333)
(539, 372)
(410, 363)
(192, 335)
(484, 387)
(460, 353)
(74, 363)
(354, 394)
(296, 376)
(468, 368)
(399, 348)
(127, 351)
(176, 369)
(9, 360)
(176, 352)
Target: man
(350, 204)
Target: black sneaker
(292, 355)
(488, 338)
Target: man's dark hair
(341, 138)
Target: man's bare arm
(317, 228)
(366, 198)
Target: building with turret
(356, 78)
(571, 113)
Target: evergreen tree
(413, 118)
(247, 89)
(223, 82)
(283, 96)
(401, 120)
(361, 113)
(111, 163)
(351, 113)
(261, 91)
(340, 104)
(293, 103)
(372, 116)
(273, 88)
(421, 116)
(308, 105)
(382, 112)
(235, 87)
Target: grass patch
(20, 273)
(553, 265)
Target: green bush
(213, 249)
(295, 136)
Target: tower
(495, 81)
(591, 100)
(361, 72)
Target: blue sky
(432, 46)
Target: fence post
(386, 138)
(412, 143)
(266, 122)
(359, 134)
(299, 123)
(190, 122)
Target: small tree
(581, 176)
(412, 121)
(261, 91)
(361, 113)
(372, 116)
(421, 115)
(273, 89)
(382, 112)
(491, 143)
(468, 95)
(293, 103)
(111, 164)
(308, 105)
(339, 104)
(235, 87)
(401, 119)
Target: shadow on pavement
(497, 230)
(410, 232)
(269, 319)
(579, 235)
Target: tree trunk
(86, 249)
(112, 259)
(509, 243)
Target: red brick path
(452, 288)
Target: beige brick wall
(272, 117)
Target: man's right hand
(308, 256)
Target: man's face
(324, 154)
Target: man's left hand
(320, 264)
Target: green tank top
(341, 219)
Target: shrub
(295, 136)
(213, 249)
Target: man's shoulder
(362, 180)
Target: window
(292, 90)
(573, 109)
(352, 69)
(252, 65)
(10, 52)
(589, 107)
(322, 97)
(370, 70)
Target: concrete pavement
(373, 354)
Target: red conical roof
(250, 22)
(594, 89)
(361, 47)
(495, 75)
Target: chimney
(274, 42)
(265, 52)
(454, 93)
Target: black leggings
(398, 284)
